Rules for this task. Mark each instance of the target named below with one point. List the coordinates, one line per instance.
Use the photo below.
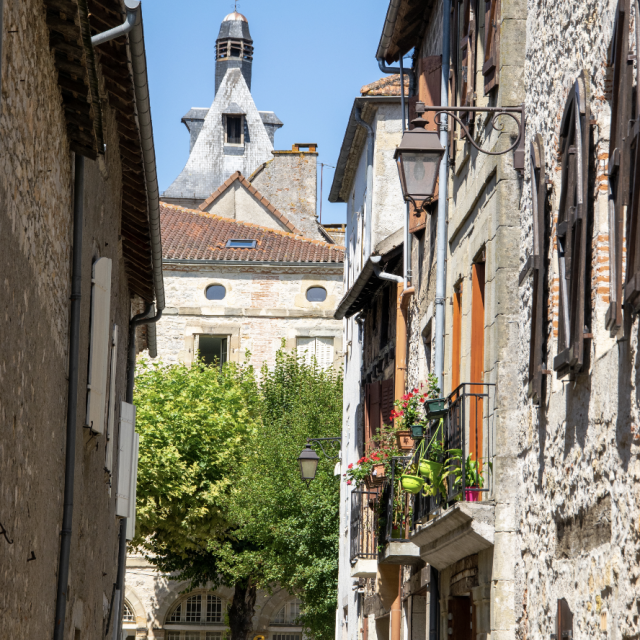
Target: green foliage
(220, 497)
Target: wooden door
(477, 360)
(459, 619)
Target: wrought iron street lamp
(309, 459)
(418, 158)
(420, 152)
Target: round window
(316, 294)
(215, 292)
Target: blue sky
(310, 60)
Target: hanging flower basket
(412, 484)
(435, 408)
(417, 431)
(405, 441)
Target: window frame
(315, 286)
(199, 626)
(215, 284)
(574, 218)
(619, 157)
(239, 116)
(228, 244)
(491, 62)
(222, 336)
(309, 359)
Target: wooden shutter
(632, 282)
(306, 348)
(99, 344)
(108, 460)
(324, 352)
(491, 64)
(535, 265)
(372, 411)
(564, 623)
(572, 229)
(467, 53)
(125, 458)
(131, 518)
(619, 156)
(387, 399)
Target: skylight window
(241, 244)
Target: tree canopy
(220, 497)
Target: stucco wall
(262, 305)
(36, 188)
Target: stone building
(79, 253)
(537, 251)
(158, 607)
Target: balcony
(395, 547)
(364, 534)
(459, 523)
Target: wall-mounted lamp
(309, 459)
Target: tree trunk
(241, 610)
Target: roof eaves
(348, 141)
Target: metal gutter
(347, 142)
(143, 105)
(388, 29)
(131, 7)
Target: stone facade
(263, 304)
(151, 598)
(36, 212)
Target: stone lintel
(248, 312)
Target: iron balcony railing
(468, 425)
(396, 508)
(364, 525)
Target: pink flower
(348, 481)
(350, 466)
(415, 391)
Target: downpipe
(443, 178)
(131, 7)
(369, 198)
(72, 400)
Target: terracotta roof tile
(189, 234)
(387, 86)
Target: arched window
(200, 612)
(316, 294)
(127, 613)
(288, 615)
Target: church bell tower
(234, 48)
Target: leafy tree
(245, 519)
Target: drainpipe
(131, 7)
(369, 217)
(72, 400)
(443, 179)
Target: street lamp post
(309, 459)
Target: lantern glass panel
(420, 173)
(308, 467)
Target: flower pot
(405, 441)
(435, 408)
(430, 469)
(472, 494)
(417, 431)
(397, 533)
(376, 479)
(412, 484)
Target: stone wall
(36, 188)
(578, 517)
(262, 305)
(289, 182)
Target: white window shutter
(125, 459)
(324, 352)
(131, 518)
(306, 348)
(108, 461)
(99, 344)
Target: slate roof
(188, 234)
(387, 86)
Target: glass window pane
(194, 609)
(215, 292)
(192, 635)
(127, 613)
(213, 349)
(214, 609)
(316, 294)
(214, 635)
(173, 635)
(176, 615)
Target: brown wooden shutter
(619, 156)
(572, 229)
(467, 53)
(564, 624)
(491, 65)
(373, 410)
(536, 265)
(387, 399)
(632, 282)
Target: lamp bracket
(515, 113)
(321, 440)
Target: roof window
(241, 244)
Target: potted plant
(410, 480)
(434, 405)
(473, 475)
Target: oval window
(316, 294)
(215, 292)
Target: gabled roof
(255, 193)
(189, 234)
